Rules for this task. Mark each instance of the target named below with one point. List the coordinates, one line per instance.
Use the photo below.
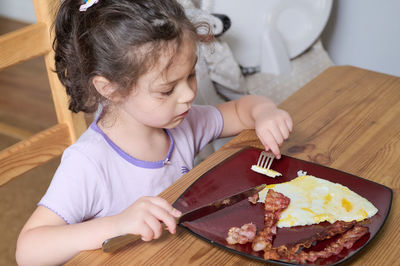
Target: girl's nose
(188, 92)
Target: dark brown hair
(108, 40)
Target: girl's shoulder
(192, 129)
(90, 140)
(90, 148)
(203, 112)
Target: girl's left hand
(272, 126)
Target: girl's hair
(117, 39)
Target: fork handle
(115, 243)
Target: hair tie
(88, 3)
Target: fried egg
(314, 200)
(265, 171)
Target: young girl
(137, 59)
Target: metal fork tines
(265, 160)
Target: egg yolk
(323, 217)
(363, 213)
(307, 210)
(289, 219)
(347, 205)
(327, 199)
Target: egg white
(265, 171)
(314, 200)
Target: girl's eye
(167, 93)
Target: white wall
(18, 9)
(365, 33)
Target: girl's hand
(144, 217)
(272, 126)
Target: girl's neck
(138, 140)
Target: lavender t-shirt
(96, 178)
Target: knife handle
(115, 243)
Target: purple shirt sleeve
(73, 193)
(207, 123)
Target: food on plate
(337, 228)
(275, 203)
(241, 235)
(253, 199)
(314, 200)
(345, 240)
(265, 171)
(306, 200)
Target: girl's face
(163, 96)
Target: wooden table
(347, 118)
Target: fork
(264, 163)
(265, 160)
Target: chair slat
(30, 153)
(14, 132)
(21, 45)
(24, 44)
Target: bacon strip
(275, 204)
(338, 227)
(346, 240)
(253, 199)
(242, 235)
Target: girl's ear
(104, 87)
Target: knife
(115, 243)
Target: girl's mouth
(185, 113)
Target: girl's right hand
(144, 217)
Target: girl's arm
(272, 125)
(46, 239)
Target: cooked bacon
(275, 204)
(253, 199)
(271, 254)
(241, 235)
(346, 240)
(281, 252)
(264, 239)
(338, 227)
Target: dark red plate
(234, 175)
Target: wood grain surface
(347, 118)
(16, 47)
(25, 104)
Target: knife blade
(115, 243)
(219, 204)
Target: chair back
(21, 45)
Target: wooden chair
(18, 46)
